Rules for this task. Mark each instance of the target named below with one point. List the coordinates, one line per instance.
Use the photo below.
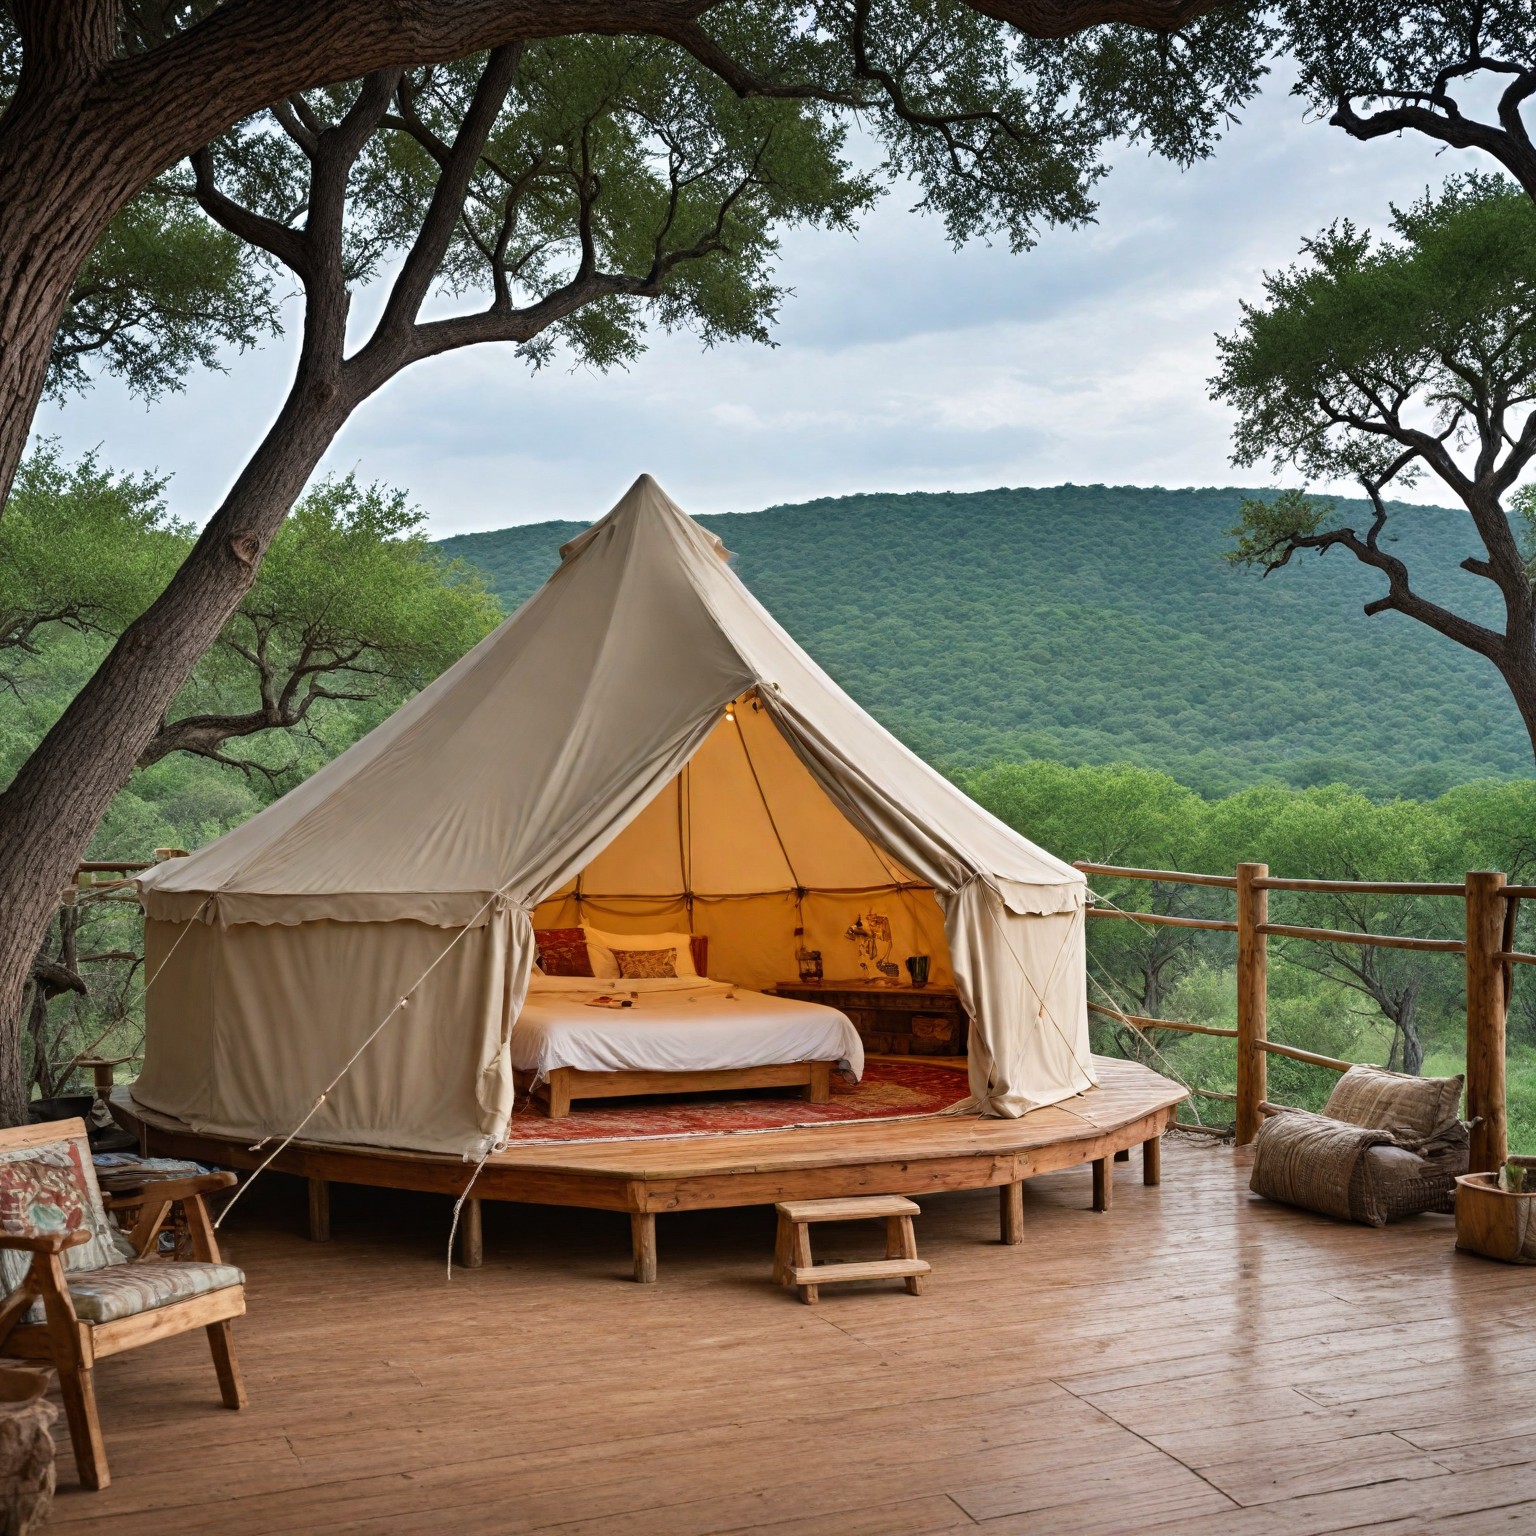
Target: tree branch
(1512, 151)
(1062, 18)
(247, 54)
(437, 226)
(287, 245)
(1400, 596)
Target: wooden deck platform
(1194, 1363)
(1130, 1107)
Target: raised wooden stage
(1131, 1106)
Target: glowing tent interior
(642, 747)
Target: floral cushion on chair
(125, 1290)
(52, 1188)
(45, 1193)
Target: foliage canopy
(1384, 361)
(353, 610)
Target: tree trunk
(15, 1096)
(1519, 673)
(55, 803)
(58, 192)
(1407, 1023)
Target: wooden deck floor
(1193, 1361)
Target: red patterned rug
(889, 1090)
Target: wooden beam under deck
(936, 1153)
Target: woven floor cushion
(124, 1290)
(1356, 1173)
(1394, 1101)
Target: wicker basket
(26, 1449)
(1494, 1222)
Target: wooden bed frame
(813, 1078)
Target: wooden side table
(897, 1020)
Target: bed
(679, 1035)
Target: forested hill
(1096, 624)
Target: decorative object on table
(26, 1449)
(871, 935)
(893, 1021)
(807, 961)
(1496, 1212)
(917, 969)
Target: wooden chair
(121, 1295)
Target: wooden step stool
(792, 1262)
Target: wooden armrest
(155, 1191)
(43, 1242)
(154, 1198)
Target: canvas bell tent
(640, 747)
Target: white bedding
(677, 1024)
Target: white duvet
(676, 1024)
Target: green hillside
(1096, 624)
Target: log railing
(1490, 904)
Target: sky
(900, 363)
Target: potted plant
(1496, 1212)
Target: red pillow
(563, 951)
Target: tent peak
(645, 499)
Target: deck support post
(1011, 1203)
(471, 1236)
(1252, 999)
(1152, 1160)
(1487, 1002)
(319, 1211)
(642, 1236)
(1103, 1182)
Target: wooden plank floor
(1192, 1361)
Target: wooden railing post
(1485, 1019)
(1252, 999)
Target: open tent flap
(744, 846)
